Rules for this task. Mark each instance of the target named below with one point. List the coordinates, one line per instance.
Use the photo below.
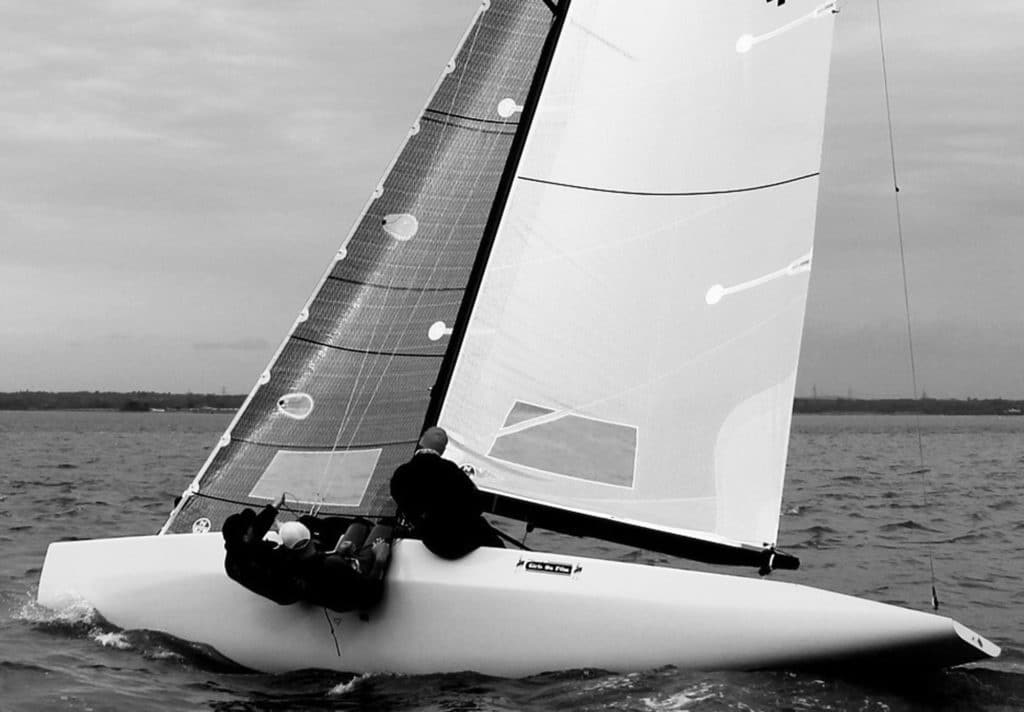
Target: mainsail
(631, 355)
(589, 263)
(344, 399)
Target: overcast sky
(176, 175)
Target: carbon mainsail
(344, 399)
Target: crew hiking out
(335, 562)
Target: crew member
(439, 501)
(348, 577)
(255, 561)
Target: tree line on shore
(137, 401)
(144, 401)
(925, 406)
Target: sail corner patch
(567, 444)
(326, 478)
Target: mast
(440, 388)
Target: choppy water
(859, 523)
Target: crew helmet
(294, 535)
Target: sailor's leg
(353, 538)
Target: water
(858, 521)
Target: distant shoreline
(151, 401)
(132, 402)
(908, 406)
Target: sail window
(295, 405)
(328, 478)
(567, 444)
(401, 226)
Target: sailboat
(589, 263)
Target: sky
(175, 176)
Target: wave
(345, 688)
(76, 619)
(81, 620)
(906, 524)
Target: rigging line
(433, 268)
(499, 204)
(490, 149)
(906, 290)
(358, 382)
(337, 647)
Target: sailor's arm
(265, 519)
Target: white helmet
(294, 535)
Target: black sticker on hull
(550, 567)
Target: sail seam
(471, 128)
(350, 446)
(512, 124)
(723, 191)
(394, 288)
(370, 352)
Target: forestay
(632, 350)
(344, 399)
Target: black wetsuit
(339, 582)
(442, 504)
(255, 563)
(352, 580)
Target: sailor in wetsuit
(440, 501)
(348, 577)
(256, 562)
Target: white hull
(492, 613)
